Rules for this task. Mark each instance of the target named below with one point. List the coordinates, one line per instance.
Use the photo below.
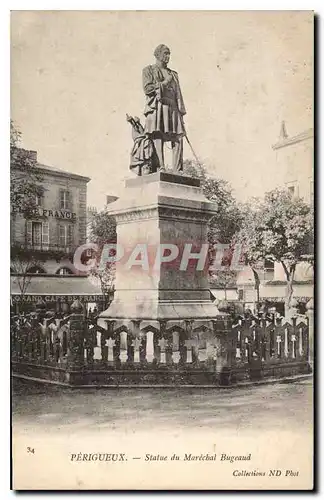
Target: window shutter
(69, 201)
(29, 233)
(45, 235)
(70, 236)
(62, 235)
(61, 198)
(57, 241)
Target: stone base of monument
(162, 275)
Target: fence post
(75, 355)
(225, 349)
(310, 315)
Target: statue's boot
(158, 145)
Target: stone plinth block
(161, 227)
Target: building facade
(42, 270)
(294, 157)
(58, 225)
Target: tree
(228, 218)
(224, 279)
(22, 260)
(223, 226)
(103, 231)
(25, 180)
(279, 229)
(247, 237)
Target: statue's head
(162, 53)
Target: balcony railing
(45, 247)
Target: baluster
(293, 343)
(162, 345)
(246, 350)
(57, 346)
(168, 351)
(110, 344)
(89, 344)
(286, 351)
(149, 347)
(238, 353)
(202, 353)
(30, 343)
(195, 350)
(188, 344)
(117, 349)
(300, 347)
(278, 346)
(123, 347)
(103, 347)
(97, 348)
(136, 344)
(175, 348)
(42, 349)
(182, 349)
(85, 350)
(210, 353)
(60, 351)
(142, 348)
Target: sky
(75, 75)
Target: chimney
(110, 199)
(283, 132)
(33, 155)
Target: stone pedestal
(156, 210)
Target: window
(36, 270)
(64, 271)
(38, 201)
(66, 235)
(37, 235)
(241, 294)
(65, 200)
(268, 270)
(292, 187)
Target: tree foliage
(103, 228)
(25, 180)
(103, 231)
(279, 229)
(223, 226)
(21, 261)
(228, 218)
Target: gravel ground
(258, 407)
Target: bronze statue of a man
(164, 108)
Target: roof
(282, 282)
(21, 152)
(61, 172)
(286, 140)
(56, 285)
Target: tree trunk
(290, 274)
(257, 286)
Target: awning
(57, 287)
